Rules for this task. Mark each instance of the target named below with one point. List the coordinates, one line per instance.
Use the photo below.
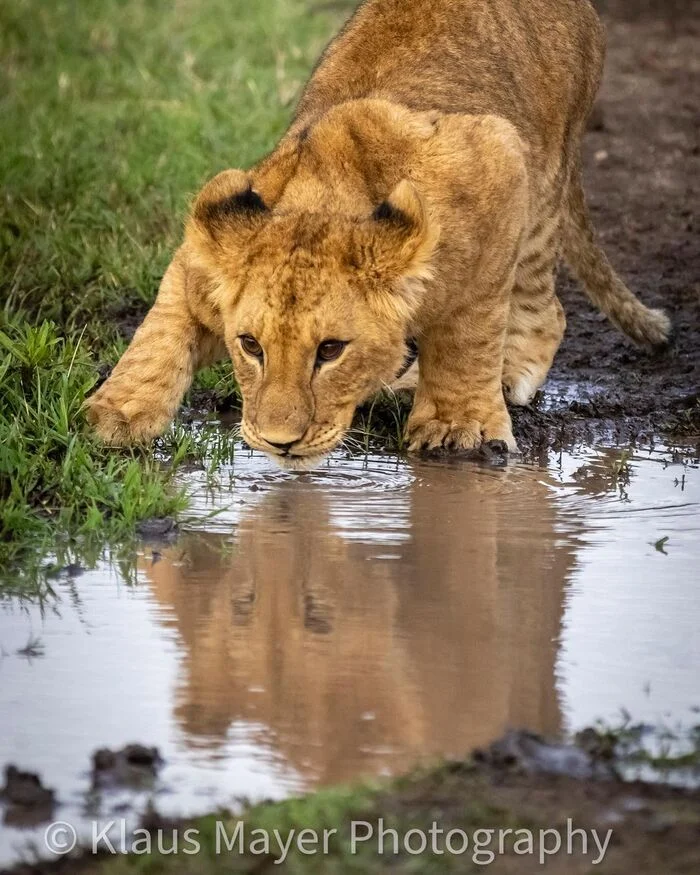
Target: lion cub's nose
(282, 421)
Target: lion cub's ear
(402, 236)
(227, 208)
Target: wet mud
(520, 782)
(134, 766)
(26, 800)
(642, 177)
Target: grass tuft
(56, 480)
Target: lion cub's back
(531, 61)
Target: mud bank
(520, 803)
(642, 175)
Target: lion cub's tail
(649, 328)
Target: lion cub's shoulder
(489, 140)
(477, 164)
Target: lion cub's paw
(122, 425)
(520, 388)
(466, 435)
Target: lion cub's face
(307, 350)
(315, 308)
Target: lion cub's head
(315, 307)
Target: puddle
(359, 620)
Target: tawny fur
(426, 188)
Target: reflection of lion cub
(425, 190)
(298, 630)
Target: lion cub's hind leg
(536, 323)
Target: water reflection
(359, 620)
(361, 630)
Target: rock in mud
(26, 799)
(157, 529)
(490, 453)
(599, 745)
(494, 452)
(532, 754)
(133, 766)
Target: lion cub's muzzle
(295, 453)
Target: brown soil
(655, 829)
(642, 173)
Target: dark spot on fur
(385, 212)
(244, 203)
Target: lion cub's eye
(330, 350)
(251, 345)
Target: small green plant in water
(660, 545)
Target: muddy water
(360, 619)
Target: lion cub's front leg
(459, 401)
(142, 394)
(484, 187)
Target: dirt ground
(642, 174)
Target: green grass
(665, 750)
(55, 479)
(114, 113)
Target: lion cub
(425, 191)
